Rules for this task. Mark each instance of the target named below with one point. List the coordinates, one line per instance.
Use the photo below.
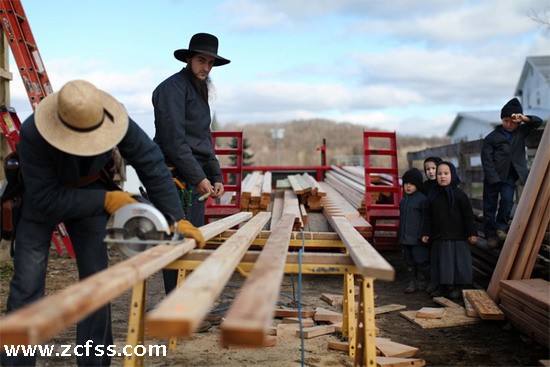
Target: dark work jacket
(499, 154)
(46, 171)
(182, 123)
(450, 223)
(412, 210)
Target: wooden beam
(181, 312)
(42, 320)
(252, 312)
(531, 190)
(369, 262)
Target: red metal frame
(387, 213)
(214, 209)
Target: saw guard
(125, 217)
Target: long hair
(203, 86)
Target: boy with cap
(504, 163)
(64, 147)
(182, 127)
(412, 211)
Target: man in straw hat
(63, 147)
(182, 122)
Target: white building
(533, 90)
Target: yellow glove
(115, 200)
(186, 228)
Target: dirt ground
(489, 343)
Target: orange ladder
(381, 167)
(215, 209)
(25, 52)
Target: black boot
(441, 291)
(411, 286)
(423, 276)
(456, 293)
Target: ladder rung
(381, 188)
(228, 151)
(380, 152)
(381, 170)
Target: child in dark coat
(430, 189)
(412, 210)
(450, 226)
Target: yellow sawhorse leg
(182, 273)
(136, 324)
(348, 308)
(365, 354)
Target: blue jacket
(46, 170)
(412, 212)
(182, 123)
(499, 154)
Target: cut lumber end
(430, 312)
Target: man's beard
(203, 86)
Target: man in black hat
(504, 163)
(182, 123)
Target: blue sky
(400, 65)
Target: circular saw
(135, 227)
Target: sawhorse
(361, 331)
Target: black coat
(499, 153)
(446, 222)
(46, 171)
(182, 123)
(412, 211)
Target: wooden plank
(454, 316)
(539, 332)
(277, 210)
(540, 164)
(366, 258)
(314, 331)
(507, 299)
(252, 311)
(470, 310)
(535, 291)
(307, 322)
(389, 348)
(341, 346)
(399, 362)
(280, 312)
(266, 190)
(283, 184)
(322, 314)
(485, 307)
(296, 187)
(291, 206)
(388, 308)
(332, 299)
(40, 321)
(181, 312)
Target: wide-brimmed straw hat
(202, 43)
(81, 119)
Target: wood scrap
(389, 348)
(332, 299)
(314, 331)
(430, 313)
(307, 322)
(281, 312)
(485, 307)
(455, 315)
(322, 314)
(378, 310)
(341, 346)
(470, 310)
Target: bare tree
(542, 17)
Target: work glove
(186, 228)
(115, 200)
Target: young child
(412, 210)
(429, 186)
(450, 226)
(430, 189)
(504, 163)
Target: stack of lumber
(526, 303)
(308, 190)
(256, 192)
(349, 181)
(335, 205)
(528, 227)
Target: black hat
(202, 43)
(413, 176)
(513, 106)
